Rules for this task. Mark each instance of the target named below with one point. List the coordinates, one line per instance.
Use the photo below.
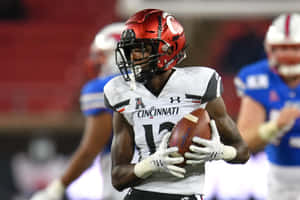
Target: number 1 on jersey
(168, 126)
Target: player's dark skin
(123, 141)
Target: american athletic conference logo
(139, 103)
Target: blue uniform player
(97, 132)
(270, 106)
(92, 106)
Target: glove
(208, 150)
(161, 161)
(54, 191)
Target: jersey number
(149, 134)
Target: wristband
(56, 187)
(144, 168)
(268, 131)
(229, 153)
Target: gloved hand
(272, 131)
(54, 191)
(161, 161)
(207, 150)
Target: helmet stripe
(159, 27)
(287, 25)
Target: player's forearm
(242, 153)
(251, 137)
(232, 137)
(80, 161)
(256, 144)
(123, 176)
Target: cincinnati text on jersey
(154, 112)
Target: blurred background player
(98, 129)
(270, 106)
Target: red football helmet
(282, 44)
(101, 60)
(156, 28)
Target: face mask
(109, 67)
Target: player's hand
(205, 150)
(287, 117)
(162, 161)
(54, 191)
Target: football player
(98, 125)
(149, 98)
(270, 106)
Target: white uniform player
(151, 117)
(149, 98)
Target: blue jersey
(260, 83)
(92, 99)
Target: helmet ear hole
(170, 50)
(167, 49)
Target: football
(193, 124)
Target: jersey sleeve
(201, 83)
(214, 88)
(107, 104)
(92, 98)
(117, 97)
(253, 81)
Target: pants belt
(135, 194)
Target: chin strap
(178, 58)
(132, 82)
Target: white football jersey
(152, 116)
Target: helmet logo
(173, 25)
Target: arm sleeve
(92, 99)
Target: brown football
(193, 124)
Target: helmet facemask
(285, 59)
(103, 62)
(142, 69)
